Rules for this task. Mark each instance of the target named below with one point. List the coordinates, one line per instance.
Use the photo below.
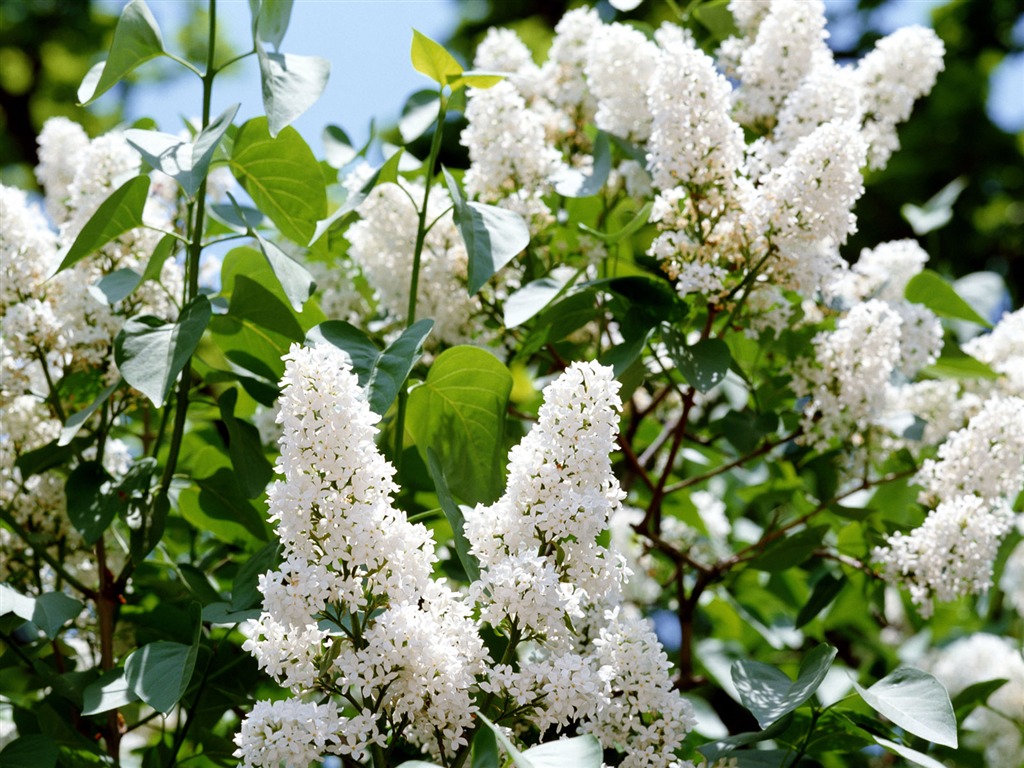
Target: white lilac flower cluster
(780, 206)
(51, 325)
(383, 243)
(354, 617)
(977, 475)
(588, 660)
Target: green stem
(414, 280)
(195, 250)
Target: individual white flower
(902, 67)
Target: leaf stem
(414, 280)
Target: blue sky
(367, 43)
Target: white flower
(995, 727)
(788, 42)
(902, 67)
(986, 458)
(950, 554)
(620, 64)
(291, 731)
(693, 139)
(847, 388)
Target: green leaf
(769, 693)
(959, 366)
(716, 17)
(245, 593)
(260, 324)
(476, 78)
(187, 162)
(282, 177)
(270, 20)
(53, 610)
(136, 41)
(119, 213)
(928, 288)
(455, 519)
(48, 456)
(14, 602)
(159, 673)
(295, 279)
(432, 60)
(151, 353)
(216, 504)
(493, 236)
(974, 696)
(241, 218)
(485, 749)
(825, 591)
(632, 227)
(459, 412)
(161, 253)
(222, 613)
(790, 551)
(703, 364)
(76, 420)
(918, 758)
(418, 764)
(533, 297)
(291, 85)
(198, 584)
(115, 286)
(252, 470)
(381, 373)
(110, 691)
(87, 505)
(419, 113)
(34, 750)
(572, 183)
(916, 702)
(575, 752)
(338, 149)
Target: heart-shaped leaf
(916, 702)
(769, 693)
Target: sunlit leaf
(769, 693)
(916, 702)
(119, 213)
(136, 40)
(431, 59)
